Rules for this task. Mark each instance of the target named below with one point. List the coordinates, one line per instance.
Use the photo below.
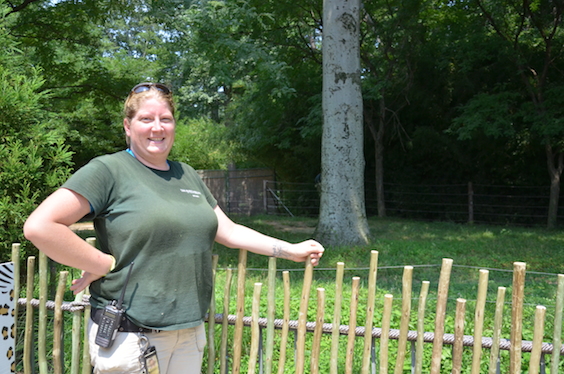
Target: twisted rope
(428, 337)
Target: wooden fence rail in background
(261, 353)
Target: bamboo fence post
(58, 366)
(211, 319)
(369, 312)
(385, 338)
(318, 332)
(498, 320)
(271, 308)
(28, 335)
(479, 320)
(334, 361)
(42, 313)
(16, 260)
(557, 335)
(444, 280)
(421, 327)
(240, 313)
(458, 336)
(352, 325)
(518, 297)
(75, 343)
(404, 321)
(285, 323)
(302, 318)
(534, 363)
(255, 333)
(225, 322)
(86, 366)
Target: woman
(157, 218)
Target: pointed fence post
(458, 336)
(352, 325)
(479, 320)
(517, 301)
(335, 333)
(285, 323)
(28, 336)
(225, 322)
(238, 335)
(271, 309)
(369, 312)
(444, 281)
(536, 352)
(421, 327)
(404, 321)
(557, 335)
(302, 318)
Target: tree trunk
(378, 130)
(555, 172)
(379, 154)
(342, 216)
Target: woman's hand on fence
(308, 248)
(83, 282)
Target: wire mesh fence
(256, 191)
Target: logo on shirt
(197, 194)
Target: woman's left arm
(233, 235)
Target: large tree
(342, 217)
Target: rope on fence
(67, 306)
(428, 337)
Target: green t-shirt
(164, 222)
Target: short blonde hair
(134, 100)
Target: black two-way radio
(111, 318)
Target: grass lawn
(422, 245)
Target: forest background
(454, 91)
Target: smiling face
(151, 132)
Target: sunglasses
(142, 87)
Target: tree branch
(22, 6)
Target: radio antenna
(120, 301)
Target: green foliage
(33, 157)
(238, 64)
(200, 143)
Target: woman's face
(151, 133)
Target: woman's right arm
(48, 229)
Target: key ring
(143, 345)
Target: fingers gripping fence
(367, 349)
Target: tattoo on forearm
(279, 250)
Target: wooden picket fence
(227, 357)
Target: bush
(34, 159)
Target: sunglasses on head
(142, 87)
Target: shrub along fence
(353, 347)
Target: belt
(126, 325)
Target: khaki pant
(179, 351)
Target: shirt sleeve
(95, 182)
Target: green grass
(422, 245)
